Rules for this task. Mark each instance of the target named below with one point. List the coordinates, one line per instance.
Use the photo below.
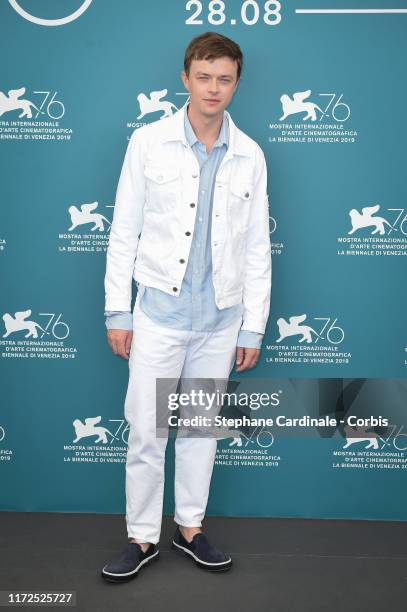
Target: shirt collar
(191, 137)
(173, 128)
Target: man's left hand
(246, 358)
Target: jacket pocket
(241, 195)
(162, 186)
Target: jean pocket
(162, 186)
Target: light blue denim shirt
(194, 308)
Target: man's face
(211, 85)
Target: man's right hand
(120, 341)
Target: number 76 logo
(293, 327)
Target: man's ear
(184, 78)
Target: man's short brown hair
(212, 45)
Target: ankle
(189, 532)
(143, 545)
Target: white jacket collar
(174, 130)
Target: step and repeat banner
(320, 422)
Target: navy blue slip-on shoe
(202, 552)
(128, 563)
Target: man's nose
(213, 85)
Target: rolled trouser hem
(186, 523)
(143, 540)
(139, 540)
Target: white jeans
(163, 352)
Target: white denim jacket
(154, 218)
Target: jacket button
(192, 205)
(182, 261)
(187, 233)
(175, 288)
(246, 195)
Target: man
(191, 227)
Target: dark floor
(280, 565)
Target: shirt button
(194, 176)
(187, 233)
(199, 218)
(182, 261)
(192, 205)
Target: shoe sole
(209, 567)
(130, 575)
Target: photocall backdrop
(323, 92)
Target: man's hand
(246, 358)
(120, 341)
